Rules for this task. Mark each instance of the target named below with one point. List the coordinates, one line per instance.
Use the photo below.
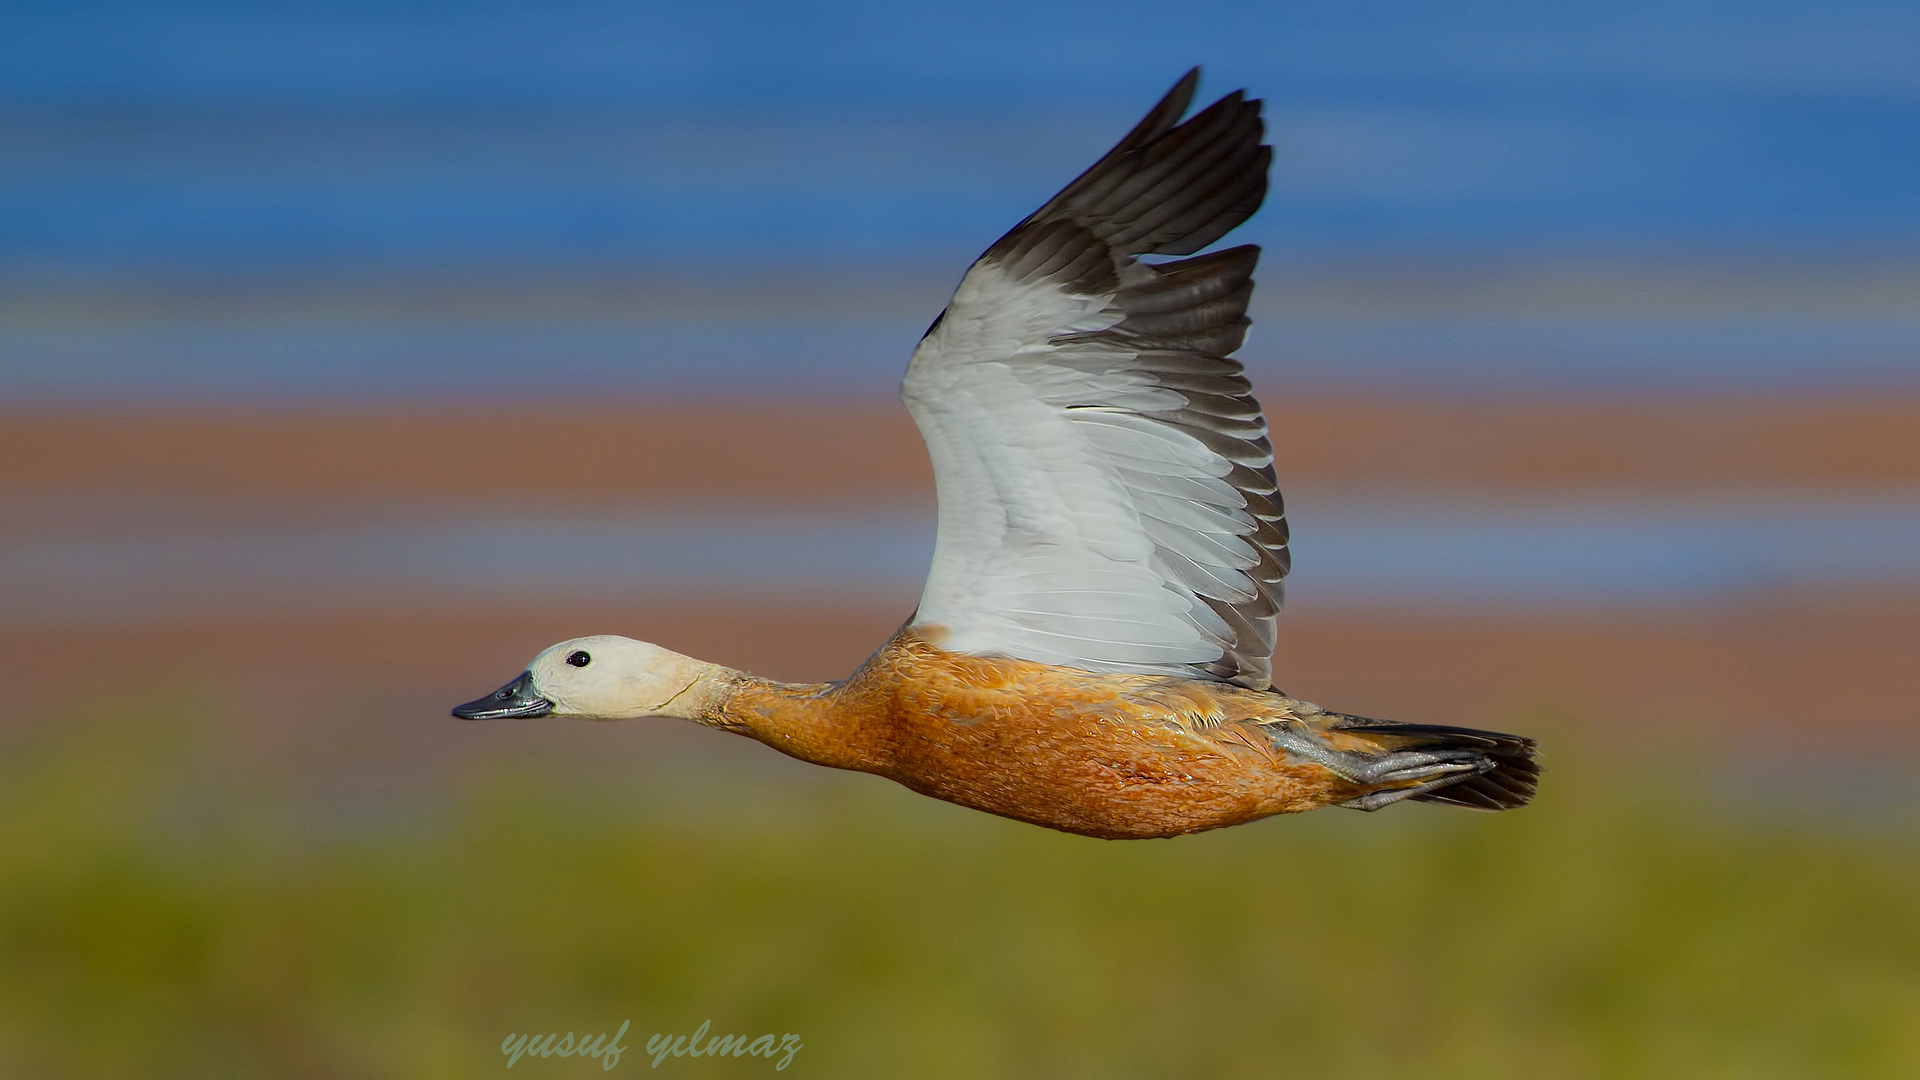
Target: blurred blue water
(322, 361)
(222, 143)
(1457, 555)
(141, 132)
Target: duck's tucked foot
(1483, 770)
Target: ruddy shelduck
(1093, 650)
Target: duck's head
(601, 678)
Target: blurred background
(350, 353)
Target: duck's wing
(1106, 488)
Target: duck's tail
(1389, 761)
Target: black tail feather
(1511, 775)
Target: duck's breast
(1099, 754)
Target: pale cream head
(605, 677)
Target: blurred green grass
(167, 911)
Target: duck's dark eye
(579, 658)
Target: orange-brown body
(1109, 755)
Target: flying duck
(1093, 649)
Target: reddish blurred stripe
(870, 451)
(1815, 677)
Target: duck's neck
(817, 722)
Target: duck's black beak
(514, 699)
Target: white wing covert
(1105, 483)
